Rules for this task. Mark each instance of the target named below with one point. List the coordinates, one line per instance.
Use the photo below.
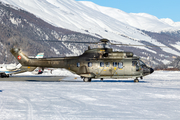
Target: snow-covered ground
(157, 96)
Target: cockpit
(140, 65)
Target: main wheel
(87, 79)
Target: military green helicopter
(96, 63)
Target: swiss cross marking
(19, 57)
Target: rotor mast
(104, 42)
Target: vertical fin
(20, 56)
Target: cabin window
(120, 65)
(107, 64)
(102, 64)
(134, 63)
(115, 64)
(89, 64)
(78, 64)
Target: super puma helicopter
(96, 63)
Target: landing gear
(101, 79)
(87, 79)
(136, 80)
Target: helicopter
(96, 63)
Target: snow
(166, 61)
(177, 45)
(156, 97)
(16, 22)
(56, 51)
(169, 50)
(139, 20)
(170, 22)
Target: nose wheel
(136, 80)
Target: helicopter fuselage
(93, 63)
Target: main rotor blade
(138, 45)
(67, 41)
(102, 43)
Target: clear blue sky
(159, 8)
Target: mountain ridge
(113, 12)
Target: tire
(87, 79)
(136, 80)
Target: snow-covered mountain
(82, 15)
(139, 20)
(103, 22)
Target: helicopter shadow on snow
(105, 81)
(93, 81)
(114, 81)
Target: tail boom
(38, 62)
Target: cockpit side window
(136, 64)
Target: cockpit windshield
(142, 63)
(138, 64)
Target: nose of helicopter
(151, 70)
(147, 71)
